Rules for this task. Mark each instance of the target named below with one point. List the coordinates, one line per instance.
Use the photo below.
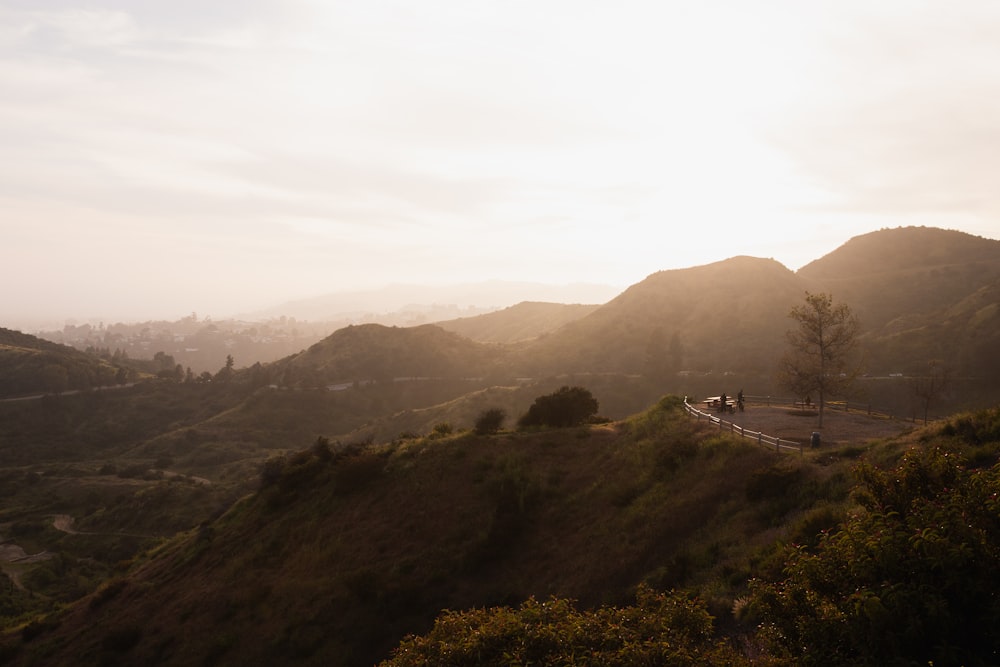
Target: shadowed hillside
(398, 510)
(922, 294)
(372, 352)
(722, 316)
(30, 365)
(906, 272)
(342, 552)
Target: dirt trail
(64, 522)
(12, 555)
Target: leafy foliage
(911, 580)
(490, 421)
(660, 629)
(569, 406)
(819, 355)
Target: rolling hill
(30, 365)
(705, 329)
(394, 520)
(341, 552)
(521, 322)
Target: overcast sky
(167, 156)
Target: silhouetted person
(739, 400)
(722, 403)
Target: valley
(321, 506)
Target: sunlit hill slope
(340, 553)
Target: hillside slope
(342, 553)
(30, 365)
(523, 321)
(905, 272)
(922, 294)
(373, 352)
(720, 316)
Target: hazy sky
(167, 156)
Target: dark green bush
(490, 421)
(910, 581)
(569, 406)
(660, 629)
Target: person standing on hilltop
(722, 402)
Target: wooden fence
(842, 406)
(768, 441)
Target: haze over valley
(488, 334)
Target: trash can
(815, 439)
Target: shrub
(660, 629)
(442, 429)
(569, 406)
(490, 421)
(909, 581)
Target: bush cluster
(569, 406)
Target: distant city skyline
(164, 158)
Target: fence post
(777, 445)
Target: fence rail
(769, 441)
(842, 406)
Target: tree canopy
(819, 359)
(569, 406)
(911, 580)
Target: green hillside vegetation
(76, 455)
(30, 365)
(124, 500)
(525, 321)
(342, 551)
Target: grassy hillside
(30, 365)
(719, 317)
(340, 553)
(427, 517)
(915, 289)
(372, 352)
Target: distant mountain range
(329, 555)
(413, 303)
(921, 293)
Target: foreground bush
(661, 629)
(910, 580)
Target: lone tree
(929, 387)
(819, 359)
(489, 421)
(567, 407)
